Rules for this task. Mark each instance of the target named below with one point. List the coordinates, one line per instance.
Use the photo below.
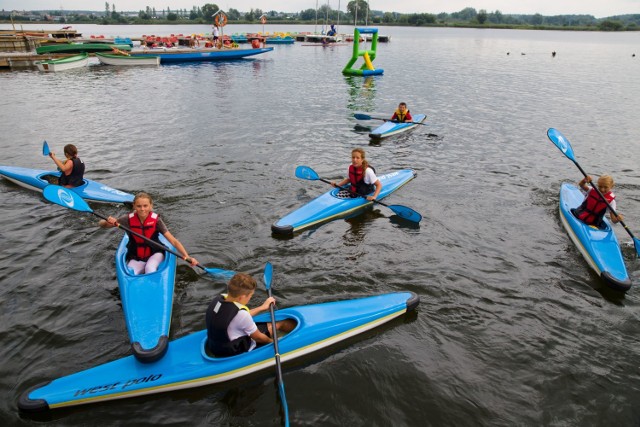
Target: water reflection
(362, 92)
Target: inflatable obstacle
(368, 56)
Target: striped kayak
(337, 203)
(187, 365)
(35, 179)
(147, 301)
(598, 246)
(390, 128)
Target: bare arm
(175, 242)
(65, 167)
(378, 185)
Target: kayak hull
(335, 204)
(35, 179)
(390, 128)
(147, 302)
(186, 364)
(599, 247)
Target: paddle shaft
(274, 331)
(595, 187)
(367, 117)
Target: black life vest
(219, 315)
(356, 176)
(593, 208)
(74, 179)
(139, 249)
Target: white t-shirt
(242, 324)
(370, 176)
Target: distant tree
(359, 9)
(495, 17)
(208, 10)
(233, 14)
(482, 16)
(308, 15)
(171, 16)
(143, 15)
(107, 9)
(467, 14)
(610, 25)
(537, 19)
(388, 18)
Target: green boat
(80, 47)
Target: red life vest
(401, 117)
(593, 208)
(356, 177)
(139, 249)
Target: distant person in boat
(593, 208)
(332, 31)
(402, 114)
(142, 256)
(362, 176)
(72, 169)
(230, 326)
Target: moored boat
(337, 203)
(200, 55)
(61, 64)
(111, 59)
(187, 364)
(147, 302)
(80, 48)
(598, 246)
(390, 128)
(36, 179)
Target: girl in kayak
(142, 256)
(402, 114)
(230, 326)
(72, 168)
(593, 208)
(362, 177)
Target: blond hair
(365, 163)
(241, 284)
(606, 180)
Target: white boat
(53, 65)
(111, 59)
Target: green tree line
(357, 13)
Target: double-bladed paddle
(565, 146)
(72, 200)
(45, 148)
(360, 116)
(268, 273)
(305, 172)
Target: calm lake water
(513, 327)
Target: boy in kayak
(362, 177)
(142, 256)
(72, 169)
(230, 326)
(593, 208)
(402, 114)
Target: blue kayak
(204, 55)
(390, 128)
(187, 365)
(147, 301)
(35, 179)
(337, 203)
(598, 246)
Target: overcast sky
(598, 8)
